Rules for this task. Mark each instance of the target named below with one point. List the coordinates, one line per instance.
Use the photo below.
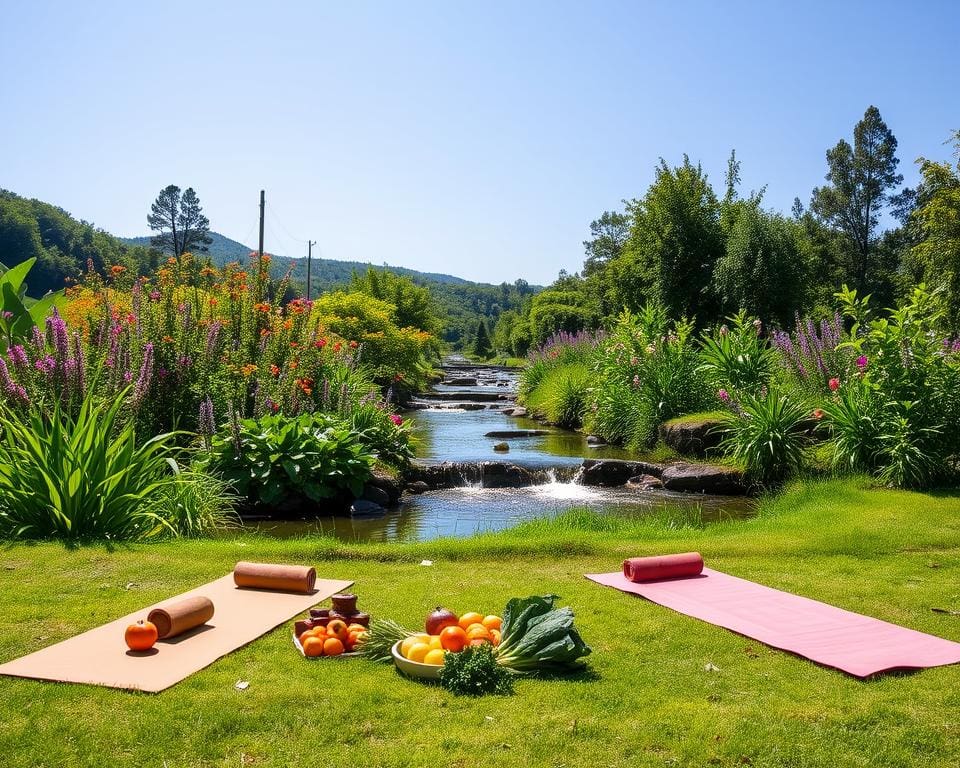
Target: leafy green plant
(384, 433)
(79, 477)
(16, 319)
(768, 433)
(537, 637)
(474, 671)
(276, 456)
(736, 358)
(561, 396)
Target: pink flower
(818, 413)
(862, 362)
(397, 420)
(723, 395)
(834, 384)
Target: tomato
(453, 639)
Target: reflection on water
(469, 510)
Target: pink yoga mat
(856, 644)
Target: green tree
(608, 235)
(861, 179)
(413, 304)
(675, 240)
(180, 221)
(936, 220)
(762, 270)
(481, 344)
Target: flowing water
(445, 430)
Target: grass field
(662, 689)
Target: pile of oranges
(335, 638)
(472, 628)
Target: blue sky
(476, 139)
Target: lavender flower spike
(146, 376)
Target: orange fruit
(434, 657)
(304, 636)
(332, 646)
(313, 646)
(453, 638)
(479, 641)
(418, 651)
(471, 617)
(338, 629)
(495, 636)
(478, 631)
(492, 622)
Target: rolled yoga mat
(638, 569)
(284, 578)
(179, 617)
(856, 644)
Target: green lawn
(649, 698)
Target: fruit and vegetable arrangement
(479, 653)
(334, 631)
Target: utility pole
(260, 251)
(310, 244)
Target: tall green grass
(79, 477)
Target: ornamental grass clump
(80, 477)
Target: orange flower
(213, 302)
(248, 369)
(261, 307)
(275, 370)
(117, 269)
(287, 325)
(353, 345)
(168, 340)
(293, 365)
(265, 332)
(306, 385)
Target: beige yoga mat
(100, 656)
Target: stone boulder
(501, 447)
(489, 474)
(518, 413)
(389, 488)
(612, 472)
(692, 437)
(704, 478)
(366, 508)
(515, 433)
(645, 483)
(417, 487)
(463, 381)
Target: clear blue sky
(477, 139)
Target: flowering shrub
(813, 358)
(193, 341)
(897, 412)
(645, 372)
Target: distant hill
(324, 272)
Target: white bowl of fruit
(422, 654)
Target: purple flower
(723, 395)
(862, 362)
(213, 335)
(6, 314)
(146, 376)
(58, 336)
(154, 295)
(206, 425)
(18, 356)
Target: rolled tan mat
(177, 618)
(284, 578)
(101, 657)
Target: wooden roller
(177, 618)
(285, 578)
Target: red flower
(834, 384)
(818, 413)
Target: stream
(450, 425)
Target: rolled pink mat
(663, 567)
(285, 578)
(177, 618)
